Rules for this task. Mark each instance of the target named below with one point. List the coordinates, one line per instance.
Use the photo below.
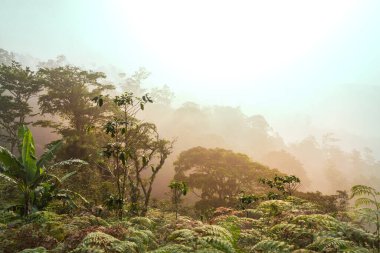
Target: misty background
(296, 88)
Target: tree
(27, 172)
(17, 87)
(6, 57)
(69, 91)
(287, 185)
(135, 147)
(368, 206)
(148, 150)
(178, 189)
(217, 176)
(245, 200)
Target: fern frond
(142, 222)
(330, 243)
(271, 246)
(359, 190)
(173, 248)
(364, 202)
(219, 243)
(214, 230)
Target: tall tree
(148, 150)
(69, 91)
(18, 85)
(135, 147)
(368, 207)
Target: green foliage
(69, 91)
(178, 189)
(271, 246)
(173, 248)
(142, 222)
(135, 148)
(98, 241)
(328, 244)
(219, 175)
(35, 250)
(32, 178)
(368, 207)
(17, 86)
(287, 185)
(274, 207)
(204, 237)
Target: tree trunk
(27, 204)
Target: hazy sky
(312, 63)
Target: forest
(81, 170)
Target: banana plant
(27, 172)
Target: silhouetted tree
(220, 175)
(18, 85)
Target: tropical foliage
(32, 176)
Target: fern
(250, 237)
(218, 243)
(213, 230)
(316, 221)
(356, 250)
(173, 248)
(35, 250)
(271, 246)
(328, 244)
(142, 222)
(105, 243)
(303, 251)
(208, 250)
(146, 237)
(184, 236)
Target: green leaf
(8, 161)
(70, 162)
(49, 154)
(28, 154)
(7, 178)
(67, 176)
(122, 157)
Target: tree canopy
(219, 175)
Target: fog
(297, 89)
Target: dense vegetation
(91, 191)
